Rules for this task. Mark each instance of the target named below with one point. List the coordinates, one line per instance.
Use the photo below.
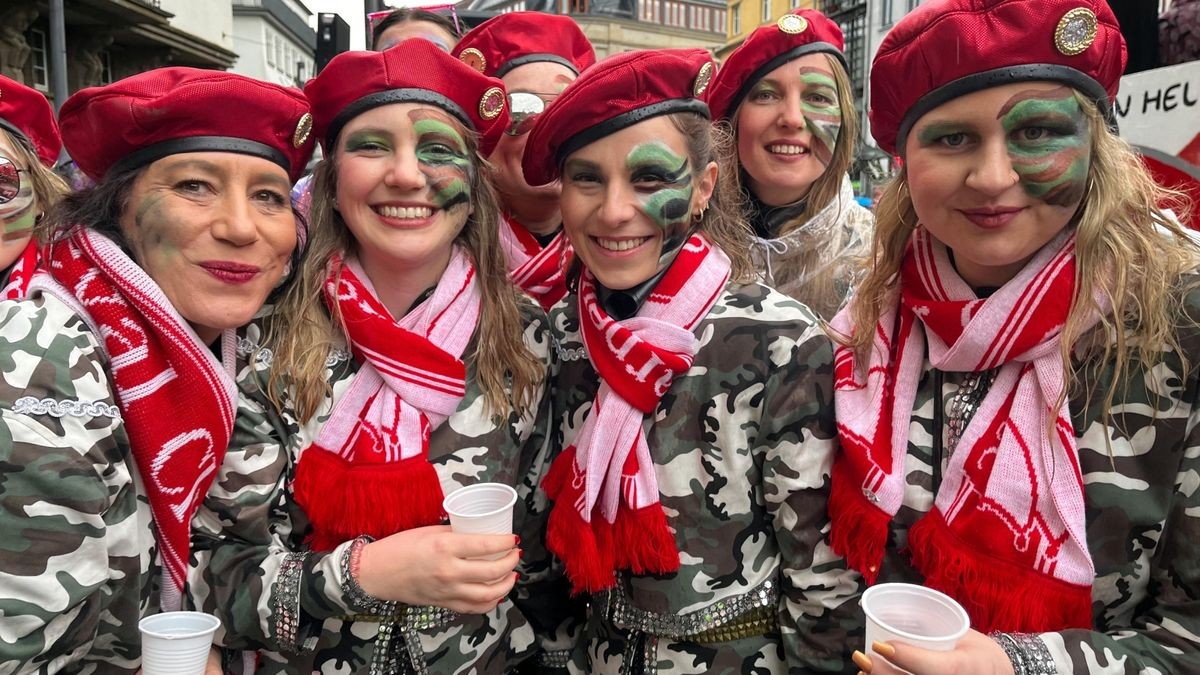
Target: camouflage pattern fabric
(250, 523)
(78, 562)
(1143, 510)
(820, 262)
(743, 445)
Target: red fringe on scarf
(643, 541)
(997, 594)
(344, 500)
(577, 543)
(858, 529)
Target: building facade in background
(107, 40)
(615, 26)
(274, 41)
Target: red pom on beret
(415, 71)
(795, 34)
(506, 41)
(26, 112)
(948, 48)
(616, 93)
(143, 118)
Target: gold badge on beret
(491, 104)
(474, 58)
(303, 129)
(702, 79)
(792, 24)
(1076, 31)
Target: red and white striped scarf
(21, 273)
(368, 470)
(609, 465)
(540, 272)
(177, 401)
(1006, 535)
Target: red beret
(797, 33)
(135, 121)
(506, 41)
(948, 48)
(618, 92)
(26, 112)
(414, 72)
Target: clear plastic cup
(914, 615)
(177, 643)
(482, 508)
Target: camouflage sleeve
(246, 568)
(543, 592)
(816, 610)
(1162, 634)
(68, 512)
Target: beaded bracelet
(358, 599)
(1028, 654)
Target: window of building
(658, 15)
(721, 21)
(736, 10)
(269, 40)
(885, 13)
(796, 3)
(106, 67)
(766, 11)
(39, 59)
(912, 4)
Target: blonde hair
(1126, 249)
(827, 186)
(301, 330)
(48, 187)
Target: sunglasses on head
(523, 109)
(10, 180)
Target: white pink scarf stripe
(609, 466)
(539, 271)
(177, 401)
(367, 471)
(1004, 496)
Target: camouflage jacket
(819, 262)
(78, 561)
(251, 568)
(1142, 494)
(743, 446)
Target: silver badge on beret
(1076, 31)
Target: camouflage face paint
(663, 181)
(1050, 144)
(822, 111)
(17, 214)
(442, 153)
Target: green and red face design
(822, 111)
(663, 183)
(17, 211)
(444, 159)
(1049, 142)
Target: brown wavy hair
(302, 331)
(1121, 230)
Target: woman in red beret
(694, 404)
(1017, 392)
(402, 365)
(29, 146)
(786, 96)
(118, 392)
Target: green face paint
(16, 215)
(1050, 144)
(363, 140)
(822, 111)
(442, 153)
(934, 133)
(664, 186)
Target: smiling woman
(1017, 389)
(400, 366)
(693, 403)
(124, 399)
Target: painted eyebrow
(372, 131)
(1057, 93)
(811, 70)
